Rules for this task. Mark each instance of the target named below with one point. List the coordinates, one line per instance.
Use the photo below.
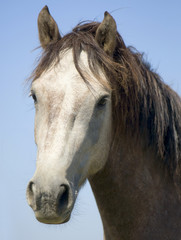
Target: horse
(104, 115)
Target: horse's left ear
(106, 34)
(47, 27)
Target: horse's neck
(135, 200)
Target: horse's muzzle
(51, 207)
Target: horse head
(72, 122)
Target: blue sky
(153, 27)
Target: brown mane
(142, 103)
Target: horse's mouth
(54, 207)
(53, 219)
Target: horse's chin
(52, 219)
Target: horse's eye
(32, 94)
(102, 101)
(34, 98)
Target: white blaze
(72, 134)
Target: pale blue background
(151, 26)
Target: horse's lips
(53, 220)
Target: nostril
(30, 193)
(31, 187)
(63, 197)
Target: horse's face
(72, 133)
(72, 124)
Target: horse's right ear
(106, 34)
(47, 27)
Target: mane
(142, 103)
